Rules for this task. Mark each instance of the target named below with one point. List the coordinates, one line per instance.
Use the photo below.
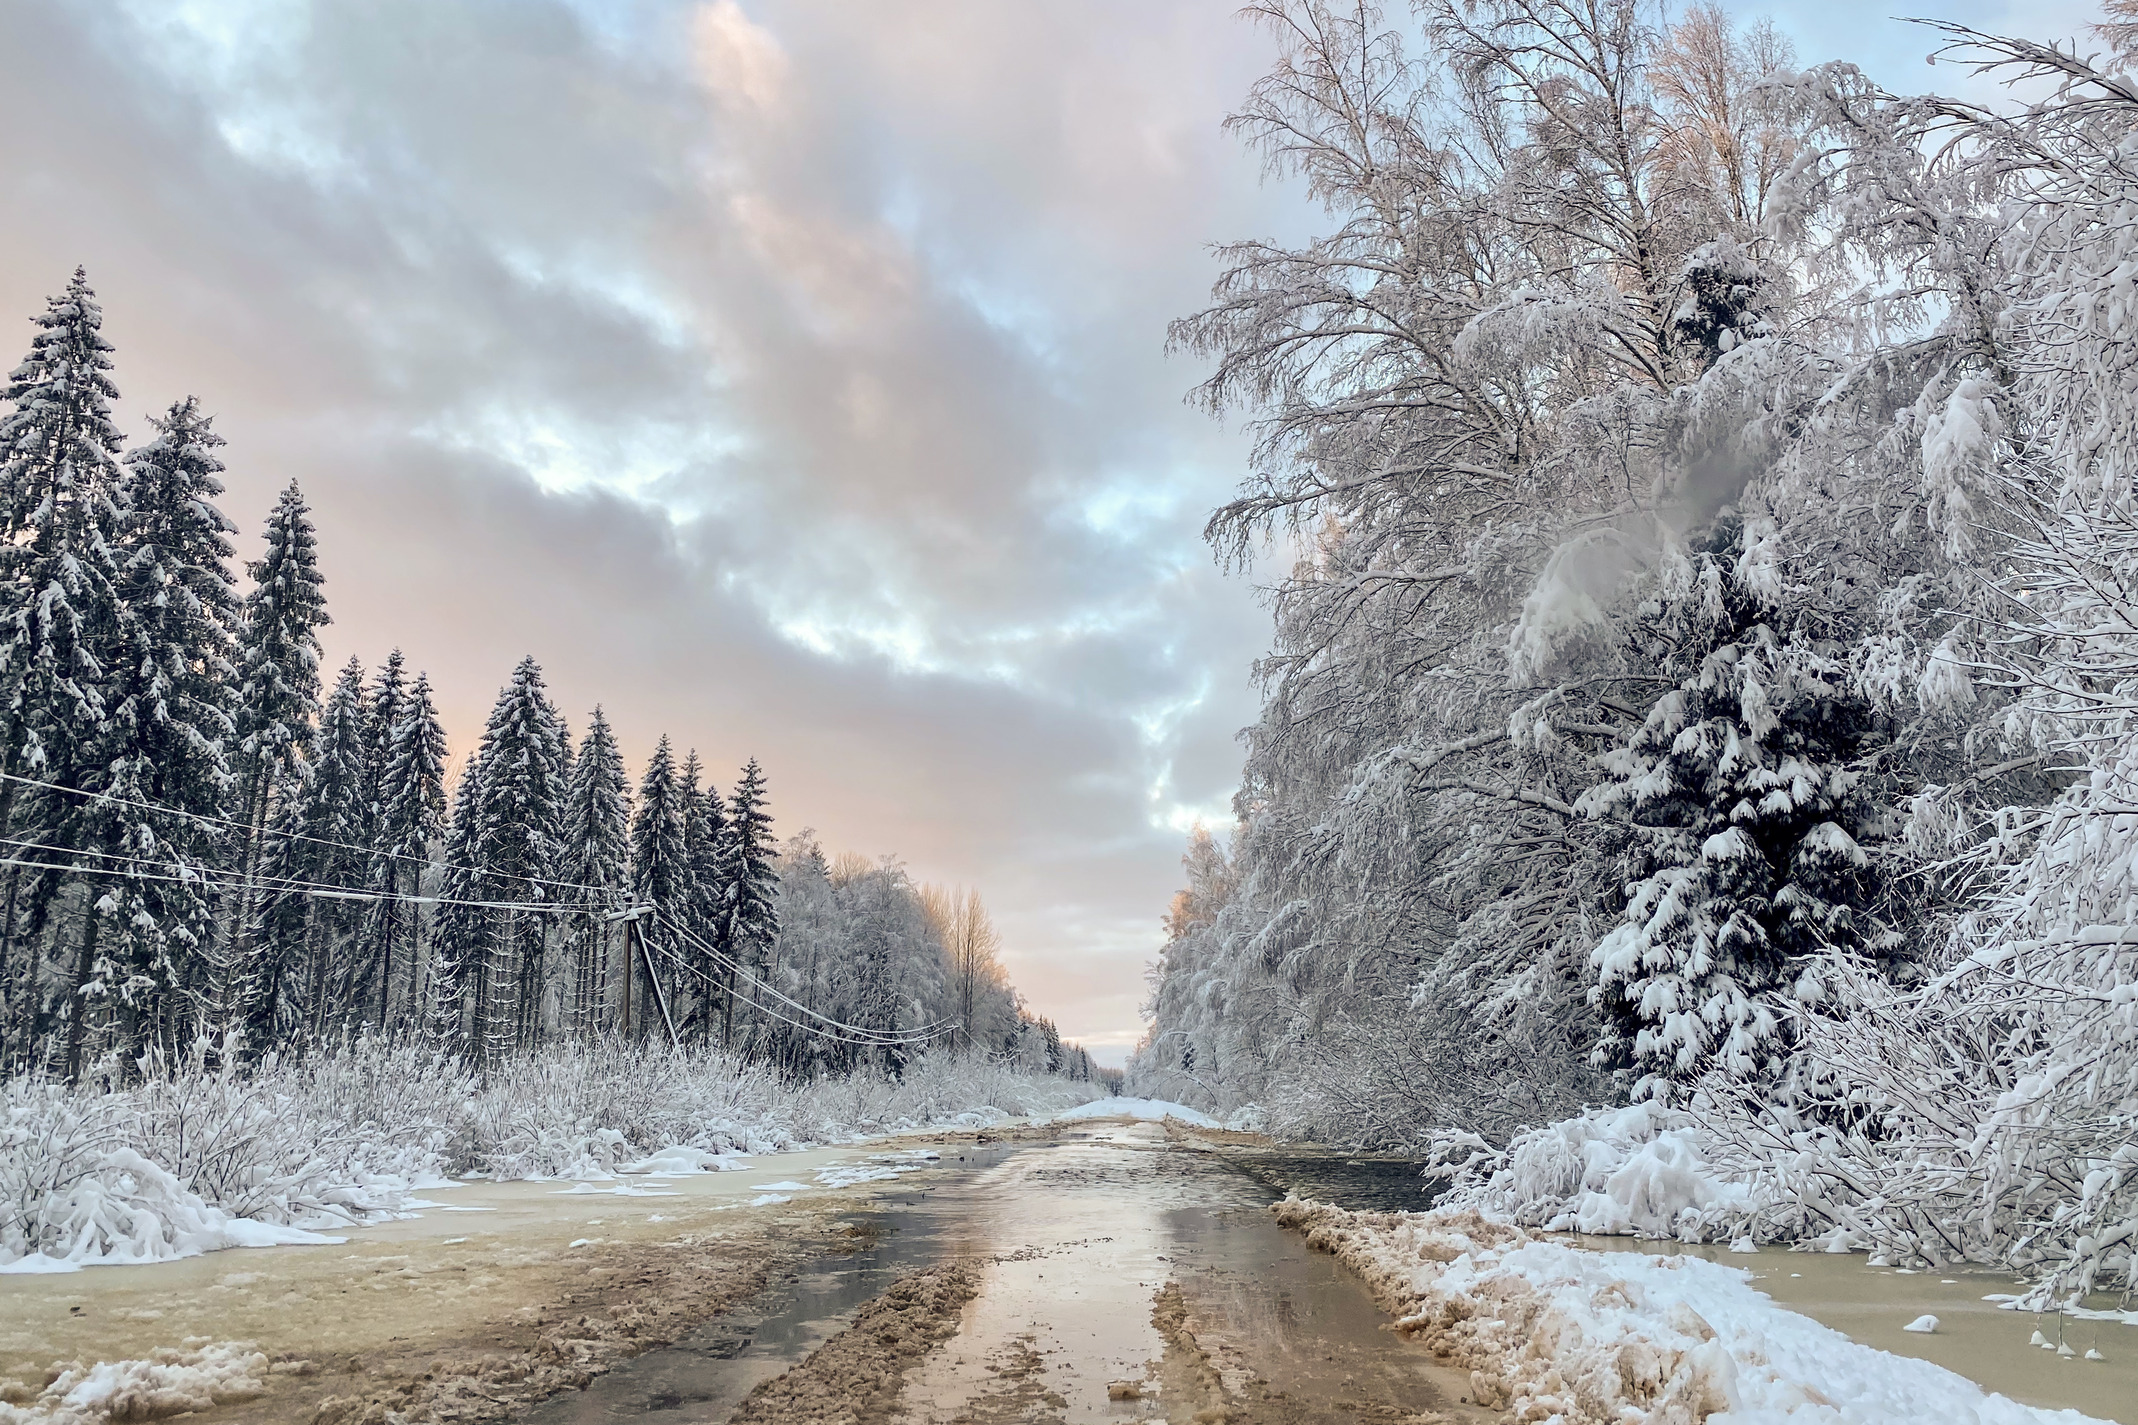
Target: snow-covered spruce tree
(695, 1005)
(712, 868)
(595, 862)
(461, 930)
(382, 703)
(750, 926)
(526, 764)
(1744, 805)
(277, 708)
(60, 623)
(305, 952)
(410, 818)
(166, 776)
(660, 878)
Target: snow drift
(1550, 1332)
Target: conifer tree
(382, 703)
(411, 815)
(278, 704)
(751, 923)
(596, 861)
(704, 844)
(660, 871)
(59, 613)
(163, 754)
(460, 933)
(302, 967)
(384, 708)
(1745, 829)
(525, 765)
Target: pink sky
(784, 375)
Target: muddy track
(855, 1377)
(570, 1326)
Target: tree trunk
(236, 974)
(78, 1005)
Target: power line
(224, 880)
(420, 861)
(857, 1034)
(130, 867)
(739, 968)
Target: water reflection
(1080, 1238)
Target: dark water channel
(1079, 1236)
(1368, 1184)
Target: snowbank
(169, 1383)
(1148, 1109)
(1551, 1332)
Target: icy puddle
(1078, 1242)
(1974, 1338)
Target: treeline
(1706, 662)
(202, 838)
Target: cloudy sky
(785, 375)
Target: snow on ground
(1556, 1333)
(1148, 1109)
(172, 1382)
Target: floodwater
(1370, 1183)
(1975, 1338)
(1081, 1236)
(1078, 1238)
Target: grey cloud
(871, 340)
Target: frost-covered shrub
(1645, 1170)
(334, 1137)
(75, 1188)
(579, 1110)
(170, 1159)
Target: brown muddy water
(1974, 1337)
(1077, 1239)
(1125, 1278)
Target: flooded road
(1119, 1278)
(1110, 1275)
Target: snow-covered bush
(1642, 1171)
(579, 1110)
(169, 1160)
(74, 1188)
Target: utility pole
(635, 938)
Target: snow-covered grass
(190, 1158)
(1551, 1332)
